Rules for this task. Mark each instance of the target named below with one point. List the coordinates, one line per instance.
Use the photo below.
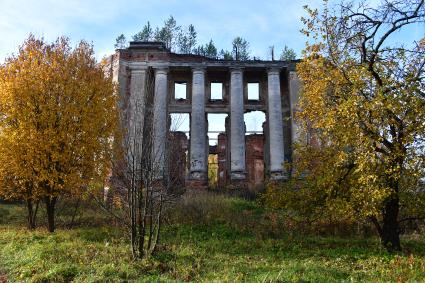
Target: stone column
(160, 121)
(275, 123)
(237, 126)
(294, 90)
(198, 130)
(296, 137)
(136, 118)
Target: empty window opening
(180, 90)
(253, 91)
(216, 125)
(254, 122)
(180, 122)
(216, 91)
(179, 148)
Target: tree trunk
(77, 205)
(390, 236)
(32, 213)
(50, 207)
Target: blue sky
(262, 23)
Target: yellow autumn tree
(363, 109)
(57, 118)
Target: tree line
(183, 40)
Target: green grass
(218, 250)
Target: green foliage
(240, 49)
(184, 41)
(225, 55)
(208, 50)
(145, 35)
(187, 40)
(288, 54)
(120, 42)
(168, 33)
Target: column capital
(236, 69)
(161, 69)
(137, 66)
(293, 75)
(199, 69)
(274, 70)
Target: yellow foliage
(366, 124)
(57, 118)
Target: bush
(306, 212)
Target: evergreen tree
(187, 40)
(210, 50)
(120, 42)
(168, 33)
(199, 50)
(225, 55)
(240, 49)
(288, 54)
(145, 35)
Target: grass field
(219, 239)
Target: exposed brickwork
(255, 159)
(196, 184)
(178, 147)
(223, 172)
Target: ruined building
(242, 158)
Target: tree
(288, 54)
(187, 40)
(363, 100)
(168, 33)
(120, 42)
(58, 115)
(145, 35)
(176, 39)
(225, 55)
(199, 50)
(210, 50)
(240, 49)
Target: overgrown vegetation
(210, 238)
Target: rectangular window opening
(216, 91)
(253, 91)
(180, 90)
